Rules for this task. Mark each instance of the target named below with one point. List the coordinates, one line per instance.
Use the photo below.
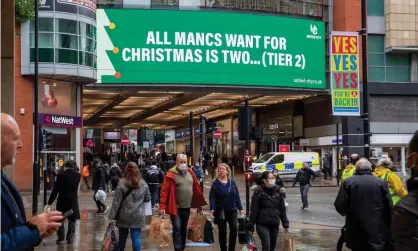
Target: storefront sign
(185, 133)
(183, 47)
(60, 120)
(284, 148)
(345, 82)
(304, 142)
(112, 136)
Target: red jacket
(168, 192)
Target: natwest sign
(60, 120)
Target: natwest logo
(62, 120)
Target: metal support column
(247, 147)
(338, 152)
(191, 137)
(35, 177)
(365, 96)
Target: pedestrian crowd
(380, 213)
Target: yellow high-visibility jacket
(396, 187)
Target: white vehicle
(284, 163)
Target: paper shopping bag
(289, 244)
(165, 236)
(155, 229)
(196, 227)
(148, 208)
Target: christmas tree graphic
(104, 65)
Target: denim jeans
(135, 236)
(232, 219)
(153, 189)
(304, 194)
(268, 236)
(179, 222)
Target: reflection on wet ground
(91, 228)
(317, 229)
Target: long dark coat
(66, 187)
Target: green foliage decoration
(24, 10)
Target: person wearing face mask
(267, 211)
(405, 213)
(180, 192)
(224, 205)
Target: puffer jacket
(268, 207)
(405, 220)
(394, 182)
(365, 201)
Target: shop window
(376, 43)
(67, 26)
(66, 41)
(376, 59)
(66, 56)
(376, 8)
(45, 55)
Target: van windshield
(264, 158)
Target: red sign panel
(217, 134)
(124, 140)
(284, 148)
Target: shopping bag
(196, 227)
(208, 232)
(165, 235)
(243, 234)
(250, 246)
(148, 208)
(110, 240)
(289, 244)
(160, 231)
(155, 230)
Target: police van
(286, 164)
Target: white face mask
(182, 167)
(271, 183)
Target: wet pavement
(317, 229)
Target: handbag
(120, 205)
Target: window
(386, 67)
(278, 159)
(67, 26)
(376, 8)
(68, 41)
(44, 24)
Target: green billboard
(209, 48)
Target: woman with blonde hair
(224, 205)
(128, 206)
(396, 187)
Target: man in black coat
(304, 177)
(66, 187)
(99, 182)
(365, 201)
(405, 213)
